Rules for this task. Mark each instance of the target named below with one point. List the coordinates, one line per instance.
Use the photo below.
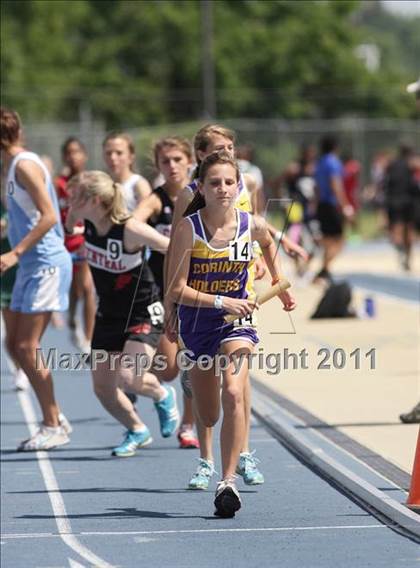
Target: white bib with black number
(248, 321)
(113, 249)
(156, 312)
(240, 250)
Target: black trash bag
(335, 303)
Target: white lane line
(59, 509)
(36, 472)
(196, 531)
(74, 564)
(259, 529)
(29, 535)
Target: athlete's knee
(24, 350)
(168, 374)
(126, 379)
(232, 397)
(210, 421)
(209, 417)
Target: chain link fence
(275, 142)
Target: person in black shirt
(173, 159)
(129, 318)
(400, 191)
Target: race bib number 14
(240, 251)
(248, 321)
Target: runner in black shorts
(130, 315)
(401, 190)
(173, 159)
(331, 220)
(333, 205)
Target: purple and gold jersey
(226, 272)
(223, 272)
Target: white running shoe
(20, 380)
(46, 438)
(65, 424)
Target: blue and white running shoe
(247, 468)
(167, 410)
(131, 442)
(201, 478)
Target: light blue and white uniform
(44, 275)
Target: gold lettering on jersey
(226, 266)
(216, 286)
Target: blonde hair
(96, 183)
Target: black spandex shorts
(111, 334)
(330, 219)
(403, 212)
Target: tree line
(140, 61)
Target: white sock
(164, 396)
(20, 374)
(139, 429)
(52, 429)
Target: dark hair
(305, 153)
(71, 140)
(10, 127)
(405, 149)
(328, 144)
(245, 152)
(222, 157)
(177, 142)
(118, 134)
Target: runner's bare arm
(138, 234)
(256, 194)
(184, 199)
(147, 208)
(260, 233)
(31, 177)
(142, 189)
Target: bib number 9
(114, 249)
(156, 312)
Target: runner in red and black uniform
(129, 319)
(74, 158)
